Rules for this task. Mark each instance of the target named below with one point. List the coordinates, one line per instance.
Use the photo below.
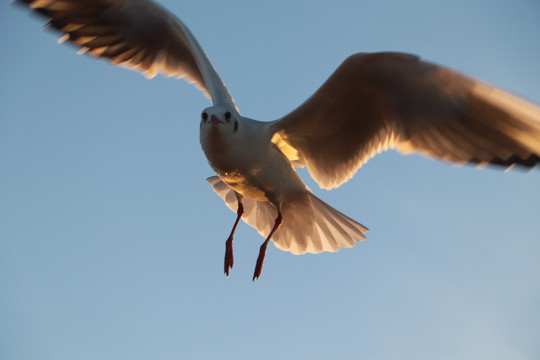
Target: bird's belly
(245, 184)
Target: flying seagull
(372, 102)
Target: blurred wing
(374, 102)
(137, 34)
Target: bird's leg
(262, 250)
(229, 258)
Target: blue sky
(112, 243)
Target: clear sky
(112, 243)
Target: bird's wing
(137, 34)
(374, 102)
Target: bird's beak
(214, 120)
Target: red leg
(229, 258)
(262, 250)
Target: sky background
(112, 243)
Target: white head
(219, 130)
(220, 119)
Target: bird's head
(219, 130)
(220, 120)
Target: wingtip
(19, 3)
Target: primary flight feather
(371, 103)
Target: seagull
(372, 102)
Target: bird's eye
(204, 116)
(228, 116)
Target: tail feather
(309, 224)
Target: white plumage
(309, 226)
(372, 102)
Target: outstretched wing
(137, 34)
(374, 102)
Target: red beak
(215, 120)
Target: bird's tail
(309, 224)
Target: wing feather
(136, 34)
(375, 102)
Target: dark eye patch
(204, 116)
(228, 116)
